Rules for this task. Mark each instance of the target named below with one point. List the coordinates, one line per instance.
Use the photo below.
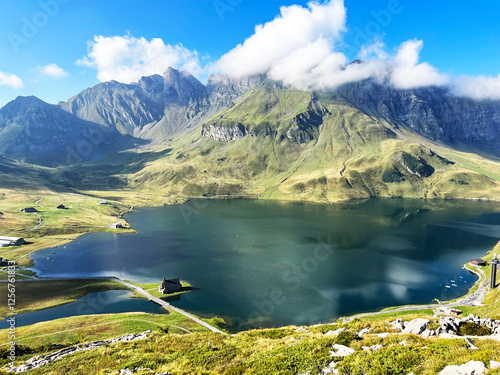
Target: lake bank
(398, 238)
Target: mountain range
(253, 136)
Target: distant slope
(252, 136)
(39, 133)
(287, 144)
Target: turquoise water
(267, 263)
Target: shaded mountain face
(432, 112)
(39, 133)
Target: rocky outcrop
(431, 111)
(470, 368)
(223, 90)
(416, 165)
(416, 326)
(304, 127)
(141, 371)
(449, 325)
(341, 351)
(44, 360)
(225, 133)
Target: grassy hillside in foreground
(287, 350)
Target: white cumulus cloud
(407, 73)
(299, 47)
(127, 59)
(480, 87)
(8, 79)
(53, 71)
(295, 31)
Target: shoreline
(388, 310)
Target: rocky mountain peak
(182, 87)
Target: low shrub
(473, 329)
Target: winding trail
(168, 306)
(39, 222)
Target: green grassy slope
(287, 154)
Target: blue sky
(459, 37)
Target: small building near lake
(117, 226)
(478, 262)
(103, 201)
(28, 209)
(170, 286)
(11, 241)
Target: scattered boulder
(341, 351)
(471, 344)
(494, 365)
(428, 333)
(364, 331)
(372, 349)
(330, 369)
(470, 368)
(416, 326)
(398, 324)
(43, 360)
(336, 332)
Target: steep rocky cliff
(432, 112)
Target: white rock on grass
(364, 331)
(341, 351)
(382, 335)
(398, 324)
(372, 349)
(416, 326)
(428, 333)
(330, 369)
(494, 365)
(336, 332)
(470, 368)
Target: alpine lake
(262, 263)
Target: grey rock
(341, 351)
(364, 331)
(494, 365)
(416, 326)
(470, 368)
(40, 361)
(336, 332)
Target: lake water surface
(268, 263)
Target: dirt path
(168, 306)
